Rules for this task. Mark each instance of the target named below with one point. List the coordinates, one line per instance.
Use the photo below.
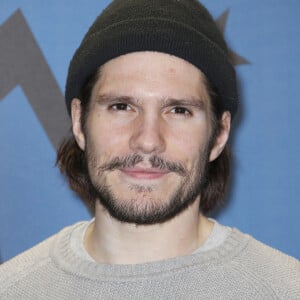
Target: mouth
(144, 173)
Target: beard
(142, 209)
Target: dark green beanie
(183, 28)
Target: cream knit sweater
(239, 268)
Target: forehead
(151, 74)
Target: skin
(147, 103)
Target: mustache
(131, 160)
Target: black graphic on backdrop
(234, 57)
(22, 63)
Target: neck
(109, 241)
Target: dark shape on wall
(235, 58)
(22, 63)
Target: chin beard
(149, 211)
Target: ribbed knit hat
(183, 28)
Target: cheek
(105, 137)
(186, 144)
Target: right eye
(181, 111)
(120, 106)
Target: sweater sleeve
(24, 264)
(276, 270)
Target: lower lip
(144, 175)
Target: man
(152, 95)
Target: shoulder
(25, 263)
(29, 262)
(269, 258)
(272, 268)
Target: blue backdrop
(38, 39)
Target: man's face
(147, 136)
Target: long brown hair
(72, 161)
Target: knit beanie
(183, 28)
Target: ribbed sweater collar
(67, 259)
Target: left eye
(120, 106)
(180, 110)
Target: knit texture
(183, 28)
(240, 268)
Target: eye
(180, 111)
(120, 106)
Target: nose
(148, 135)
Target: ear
(222, 138)
(76, 123)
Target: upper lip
(145, 170)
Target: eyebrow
(195, 102)
(106, 99)
(166, 102)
